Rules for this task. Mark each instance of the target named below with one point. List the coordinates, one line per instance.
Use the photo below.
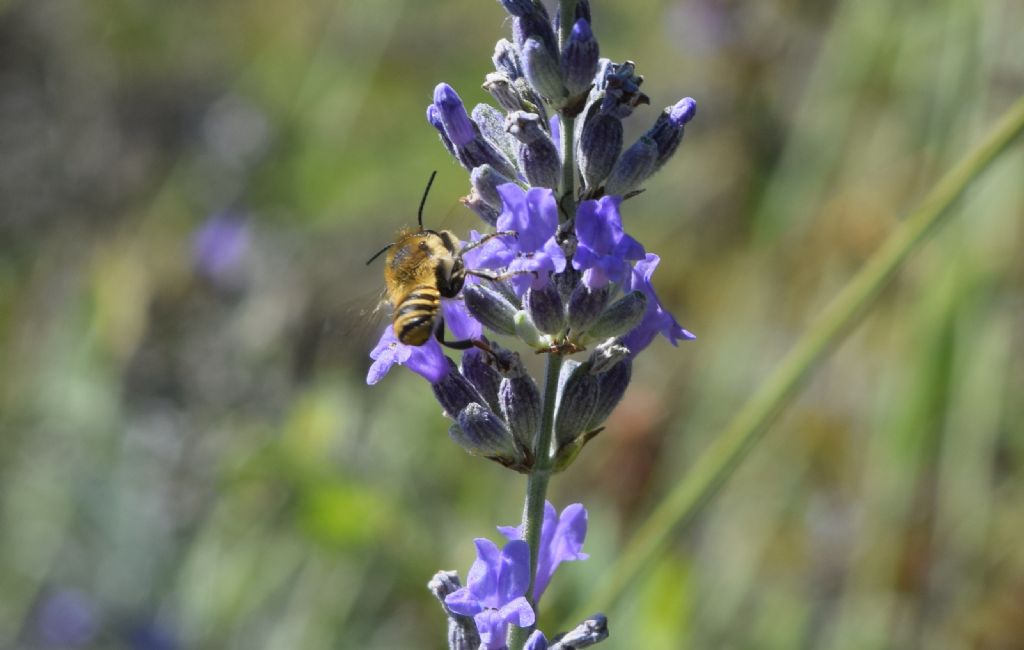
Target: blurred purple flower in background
(219, 245)
(67, 618)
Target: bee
(423, 266)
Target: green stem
(540, 474)
(712, 469)
(537, 484)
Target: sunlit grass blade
(715, 466)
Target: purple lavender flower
(68, 618)
(426, 360)
(561, 540)
(533, 254)
(656, 318)
(495, 591)
(219, 245)
(604, 249)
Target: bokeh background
(189, 455)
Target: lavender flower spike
(495, 591)
(561, 540)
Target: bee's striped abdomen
(415, 314)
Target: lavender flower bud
(486, 181)
(591, 631)
(484, 210)
(580, 11)
(434, 117)
(520, 404)
(491, 308)
(545, 309)
(612, 386)
(633, 167)
(481, 152)
(503, 92)
(534, 26)
(527, 331)
(543, 71)
(518, 7)
(462, 632)
(532, 103)
(576, 404)
(667, 131)
(600, 142)
(538, 155)
(484, 378)
(491, 122)
(605, 356)
(506, 60)
(453, 116)
(586, 305)
(454, 392)
(622, 88)
(624, 314)
(482, 433)
(569, 279)
(579, 58)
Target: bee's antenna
(378, 254)
(423, 201)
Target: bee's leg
(497, 277)
(464, 344)
(486, 238)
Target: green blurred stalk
(715, 466)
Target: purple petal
(592, 228)
(555, 254)
(629, 248)
(518, 612)
(457, 318)
(493, 254)
(493, 629)
(511, 532)
(482, 578)
(463, 602)
(543, 210)
(514, 578)
(561, 541)
(571, 531)
(385, 354)
(428, 361)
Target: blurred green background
(189, 455)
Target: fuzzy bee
(421, 267)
